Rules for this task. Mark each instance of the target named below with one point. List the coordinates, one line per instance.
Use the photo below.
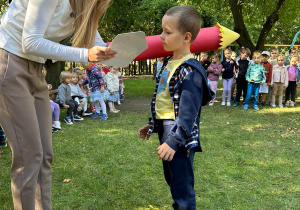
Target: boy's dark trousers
(241, 85)
(290, 91)
(179, 172)
(73, 105)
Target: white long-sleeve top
(112, 81)
(32, 29)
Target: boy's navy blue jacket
(189, 91)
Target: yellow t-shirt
(164, 108)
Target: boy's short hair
(293, 49)
(228, 49)
(206, 53)
(256, 53)
(189, 19)
(281, 56)
(63, 75)
(245, 50)
(273, 49)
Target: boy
(204, 60)
(264, 88)
(255, 76)
(241, 82)
(273, 62)
(64, 98)
(180, 92)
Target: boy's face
(203, 56)
(244, 56)
(274, 54)
(294, 53)
(228, 54)
(68, 80)
(74, 79)
(171, 37)
(256, 59)
(280, 61)
(264, 58)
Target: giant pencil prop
(208, 39)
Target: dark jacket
(189, 91)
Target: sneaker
(79, 109)
(68, 120)
(54, 130)
(114, 111)
(211, 104)
(223, 104)
(86, 113)
(255, 107)
(3, 142)
(287, 103)
(263, 104)
(95, 115)
(119, 102)
(292, 103)
(103, 117)
(76, 117)
(56, 124)
(232, 99)
(236, 104)
(280, 106)
(246, 106)
(273, 105)
(228, 104)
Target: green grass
(250, 160)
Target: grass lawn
(250, 159)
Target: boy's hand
(231, 62)
(66, 106)
(223, 70)
(143, 132)
(250, 80)
(260, 83)
(165, 152)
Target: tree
(257, 21)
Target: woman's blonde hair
(87, 15)
(63, 75)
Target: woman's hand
(98, 54)
(143, 132)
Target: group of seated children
(96, 83)
(261, 78)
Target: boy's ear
(187, 37)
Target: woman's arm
(38, 17)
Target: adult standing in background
(29, 34)
(157, 65)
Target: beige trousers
(26, 119)
(277, 86)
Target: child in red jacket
(264, 88)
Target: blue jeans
(252, 89)
(179, 172)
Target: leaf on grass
(227, 123)
(66, 180)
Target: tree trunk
(270, 22)
(53, 72)
(236, 7)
